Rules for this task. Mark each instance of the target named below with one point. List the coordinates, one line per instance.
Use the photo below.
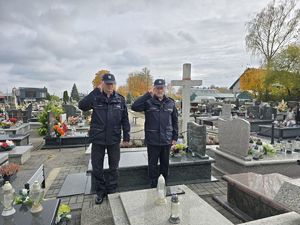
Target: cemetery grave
(232, 156)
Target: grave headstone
(234, 136)
(28, 113)
(268, 113)
(226, 111)
(70, 110)
(196, 139)
(253, 111)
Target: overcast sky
(56, 43)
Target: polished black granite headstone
(23, 216)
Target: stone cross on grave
(186, 84)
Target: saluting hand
(100, 86)
(151, 91)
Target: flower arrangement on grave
(58, 130)
(23, 198)
(63, 214)
(5, 124)
(73, 120)
(56, 109)
(6, 146)
(9, 170)
(13, 120)
(258, 149)
(178, 149)
(282, 106)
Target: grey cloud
(187, 36)
(61, 42)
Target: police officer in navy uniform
(109, 117)
(161, 128)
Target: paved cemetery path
(136, 121)
(59, 164)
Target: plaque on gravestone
(196, 139)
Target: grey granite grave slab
(74, 184)
(286, 164)
(234, 137)
(291, 218)
(289, 195)
(20, 154)
(18, 139)
(22, 129)
(196, 139)
(117, 209)
(3, 158)
(140, 209)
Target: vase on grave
(7, 198)
(36, 194)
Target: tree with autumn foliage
(171, 92)
(123, 90)
(139, 82)
(253, 80)
(285, 74)
(98, 77)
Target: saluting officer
(161, 128)
(109, 117)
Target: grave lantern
(161, 191)
(175, 210)
(36, 194)
(7, 199)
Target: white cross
(186, 84)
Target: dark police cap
(159, 83)
(109, 78)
